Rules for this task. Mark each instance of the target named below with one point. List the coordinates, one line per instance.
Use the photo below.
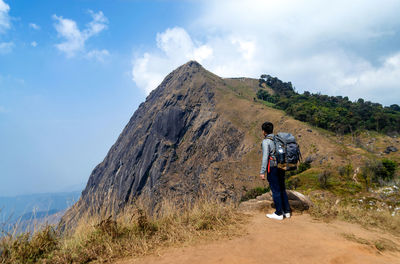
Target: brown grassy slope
(235, 102)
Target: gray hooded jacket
(268, 149)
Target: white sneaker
(287, 215)
(274, 216)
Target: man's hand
(262, 176)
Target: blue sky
(73, 72)
(59, 115)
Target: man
(275, 175)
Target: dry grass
(352, 237)
(27, 247)
(328, 207)
(134, 233)
(381, 244)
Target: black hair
(268, 127)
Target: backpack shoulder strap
(272, 138)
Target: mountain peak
(192, 64)
(180, 78)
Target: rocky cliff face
(168, 145)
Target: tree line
(334, 113)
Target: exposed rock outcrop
(297, 201)
(390, 149)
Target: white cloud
(34, 44)
(375, 81)
(98, 24)
(147, 73)
(6, 47)
(99, 55)
(230, 56)
(176, 47)
(75, 39)
(34, 26)
(324, 46)
(4, 16)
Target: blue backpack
(287, 151)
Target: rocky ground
(297, 201)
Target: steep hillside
(198, 133)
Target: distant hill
(198, 133)
(26, 208)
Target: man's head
(267, 128)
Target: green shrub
(390, 167)
(293, 183)
(378, 171)
(265, 96)
(253, 193)
(345, 171)
(323, 178)
(303, 166)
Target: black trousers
(276, 179)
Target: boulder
(310, 159)
(390, 149)
(265, 196)
(297, 201)
(255, 205)
(297, 205)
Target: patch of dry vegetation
(135, 232)
(327, 206)
(381, 244)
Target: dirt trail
(299, 239)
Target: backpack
(287, 151)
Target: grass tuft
(27, 247)
(381, 244)
(253, 193)
(135, 232)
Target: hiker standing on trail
(275, 175)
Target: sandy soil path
(299, 239)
